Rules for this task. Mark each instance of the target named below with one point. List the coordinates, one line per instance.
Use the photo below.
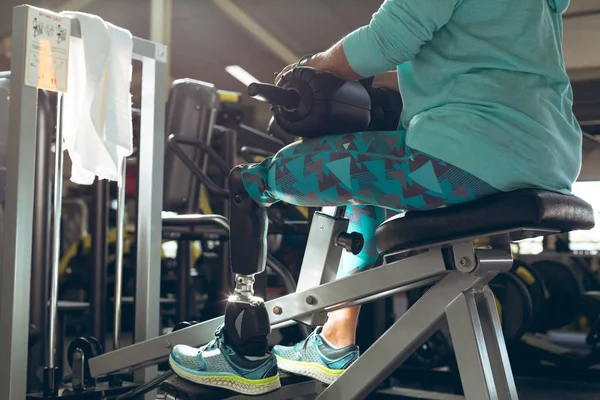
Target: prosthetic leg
(246, 318)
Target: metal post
(150, 193)
(56, 213)
(41, 249)
(18, 220)
(184, 260)
(99, 257)
(229, 149)
(479, 347)
(119, 255)
(161, 17)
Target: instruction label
(161, 53)
(47, 50)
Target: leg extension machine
(418, 249)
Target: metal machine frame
(460, 296)
(18, 215)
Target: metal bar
(119, 255)
(321, 263)
(336, 294)
(214, 157)
(197, 171)
(41, 248)
(469, 345)
(56, 213)
(195, 220)
(399, 341)
(479, 347)
(184, 261)
(18, 219)
(161, 18)
(150, 191)
(99, 259)
(249, 153)
(142, 49)
(249, 136)
(492, 332)
(229, 150)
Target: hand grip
(275, 95)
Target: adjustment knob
(352, 242)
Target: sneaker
(315, 358)
(216, 364)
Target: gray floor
(528, 390)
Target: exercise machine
(416, 249)
(413, 257)
(17, 221)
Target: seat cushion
(514, 212)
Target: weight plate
(434, 353)
(537, 291)
(515, 305)
(181, 325)
(98, 349)
(588, 279)
(564, 289)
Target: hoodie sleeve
(395, 34)
(559, 6)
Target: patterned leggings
(369, 172)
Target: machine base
(292, 387)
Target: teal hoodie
(484, 85)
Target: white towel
(97, 123)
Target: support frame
(18, 222)
(398, 275)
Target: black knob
(352, 242)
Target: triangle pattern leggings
(369, 172)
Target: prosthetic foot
(237, 358)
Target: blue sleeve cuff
(364, 57)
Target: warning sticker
(160, 53)
(47, 46)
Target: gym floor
(529, 389)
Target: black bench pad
(513, 211)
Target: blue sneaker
(216, 364)
(315, 358)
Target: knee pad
(247, 327)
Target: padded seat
(535, 211)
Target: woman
(487, 108)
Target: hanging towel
(97, 124)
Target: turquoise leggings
(368, 172)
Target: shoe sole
(237, 384)
(310, 370)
